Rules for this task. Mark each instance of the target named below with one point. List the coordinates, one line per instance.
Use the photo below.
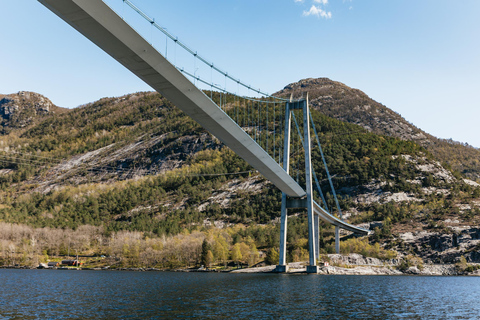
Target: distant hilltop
(24, 108)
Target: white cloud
(317, 11)
(301, 1)
(324, 2)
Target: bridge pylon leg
(312, 237)
(316, 232)
(337, 239)
(282, 264)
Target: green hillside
(355, 157)
(135, 167)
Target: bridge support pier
(313, 269)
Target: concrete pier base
(282, 269)
(313, 269)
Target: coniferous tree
(204, 256)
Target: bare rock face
(445, 248)
(23, 108)
(355, 259)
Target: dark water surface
(58, 294)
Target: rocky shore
(298, 268)
(356, 264)
(429, 270)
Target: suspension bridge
(257, 126)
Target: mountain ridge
(341, 102)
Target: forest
(134, 179)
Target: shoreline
(296, 268)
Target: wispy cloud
(317, 11)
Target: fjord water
(58, 294)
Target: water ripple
(55, 294)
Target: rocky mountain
(24, 108)
(341, 102)
(138, 163)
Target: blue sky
(420, 58)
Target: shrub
(410, 261)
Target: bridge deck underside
(96, 21)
